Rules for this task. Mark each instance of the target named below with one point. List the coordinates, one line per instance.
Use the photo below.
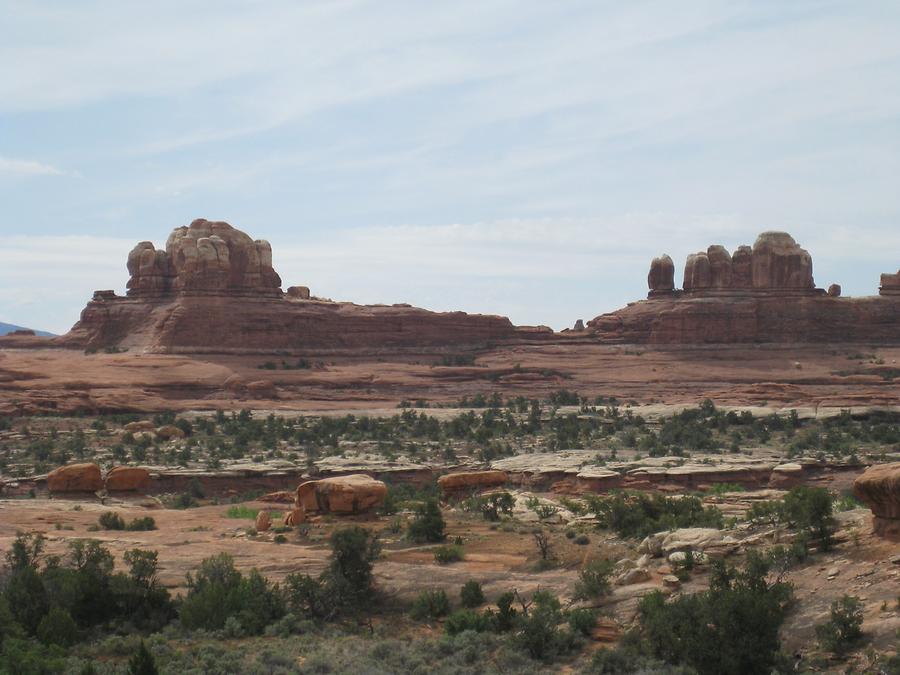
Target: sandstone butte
(763, 294)
(879, 489)
(213, 289)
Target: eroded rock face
(127, 479)
(83, 477)
(205, 256)
(453, 483)
(780, 263)
(879, 489)
(342, 495)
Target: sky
(515, 157)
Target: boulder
(834, 291)
(677, 557)
(879, 489)
(637, 575)
(343, 495)
(298, 292)
(263, 521)
(169, 432)
(83, 477)
(262, 389)
(127, 479)
(468, 481)
(579, 324)
(671, 582)
(295, 517)
(699, 539)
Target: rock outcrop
(84, 477)
(343, 495)
(263, 521)
(213, 289)
(470, 481)
(127, 479)
(890, 284)
(661, 278)
(879, 489)
(761, 294)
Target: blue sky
(511, 157)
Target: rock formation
(890, 284)
(470, 481)
(879, 489)
(343, 495)
(761, 294)
(83, 477)
(127, 479)
(213, 289)
(263, 521)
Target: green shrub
(593, 580)
(142, 524)
(582, 540)
(582, 621)
(58, 628)
(731, 628)
(844, 628)
(430, 605)
(110, 520)
(428, 524)
(468, 620)
(241, 512)
(491, 506)
(444, 555)
(471, 595)
(641, 514)
(142, 663)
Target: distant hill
(7, 328)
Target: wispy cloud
(26, 167)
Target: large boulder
(263, 521)
(169, 432)
(83, 477)
(879, 489)
(698, 539)
(127, 479)
(142, 425)
(468, 481)
(343, 495)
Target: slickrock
(343, 495)
(467, 481)
(83, 477)
(879, 489)
(127, 479)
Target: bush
(444, 555)
(430, 605)
(539, 633)
(593, 580)
(805, 509)
(471, 595)
(109, 520)
(428, 525)
(468, 620)
(641, 514)
(582, 621)
(142, 524)
(844, 628)
(58, 628)
(142, 663)
(493, 506)
(731, 628)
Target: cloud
(26, 167)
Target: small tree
(544, 546)
(471, 595)
(428, 525)
(57, 628)
(845, 626)
(594, 580)
(142, 663)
